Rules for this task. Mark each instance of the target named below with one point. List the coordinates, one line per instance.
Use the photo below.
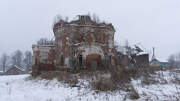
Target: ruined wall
(43, 54)
(142, 60)
(79, 44)
(84, 38)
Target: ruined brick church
(79, 44)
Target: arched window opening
(62, 60)
(80, 60)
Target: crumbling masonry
(79, 44)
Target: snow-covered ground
(19, 88)
(165, 90)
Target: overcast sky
(153, 23)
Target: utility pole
(153, 56)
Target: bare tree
(127, 47)
(27, 61)
(116, 45)
(4, 61)
(66, 19)
(57, 19)
(172, 61)
(42, 41)
(178, 60)
(45, 41)
(17, 58)
(95, 18)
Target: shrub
(68, 78)
(65, 77)
(120, 76)
(118, 79)
(49, 75)
(104, 85)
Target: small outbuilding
(15, 70)
(158, 63)
(1, 72)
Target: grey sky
(150, 22)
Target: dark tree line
(18, 58)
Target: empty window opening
(80, 60)
(62, 60)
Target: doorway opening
(80, 60)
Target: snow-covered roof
(142, 53)
(121, 49)
(19, 68)
(133, 50)
(15, 66)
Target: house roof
(15, 66)
(19, 67)
(142, 53)
(158, 63)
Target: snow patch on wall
(67, 61)
(91, 50)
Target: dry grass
(134, 94)
(49, 75)
(29, 78)
(104, 85)
(151, 75)
(117, 80)
(65, 77)
(105, 80)
(120, 76)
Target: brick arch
(89, 38)
(93, 57)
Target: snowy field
(19, 88)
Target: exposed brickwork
(83, 37)
(91, 57)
